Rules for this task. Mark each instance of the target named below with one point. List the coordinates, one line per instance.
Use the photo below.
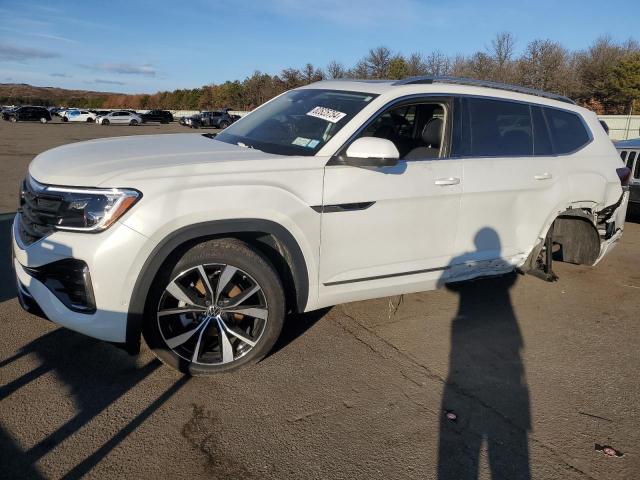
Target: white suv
(330, 193)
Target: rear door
(513, 181)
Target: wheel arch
(270, 238)
(574, 229)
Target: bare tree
(503, 47)
(542, 65)
(311, 74)
(360, 70)
(437, 63)
(416, 65)
(291, 77)
(336, 70)
(378, 61)
(502, 50)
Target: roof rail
(482, 83)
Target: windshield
(299, 122)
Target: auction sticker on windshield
(327, 114)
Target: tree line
(604, 77)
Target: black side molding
(342, 207)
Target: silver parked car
(120, 117)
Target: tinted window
(623, 155)
(630, 159)
(497, 128)
(567, 130)
(636, 171)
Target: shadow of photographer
(486, 397)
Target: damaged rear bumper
(611, 224)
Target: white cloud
(14, 53)
(124, 68)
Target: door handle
(543, 176)
(447, 181)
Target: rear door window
(568, 132)
(630, 159)
(493, 128)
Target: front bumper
(114, 259)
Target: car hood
(97, 162)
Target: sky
(135, 46)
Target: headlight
(82, 209)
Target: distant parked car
(100, 113)
(120, 117)
(162, 116)
(216, 119)
(75, 115)
(630, 153)
(22, 114)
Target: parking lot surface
(508, 378)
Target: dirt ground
(504, 378)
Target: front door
(393, 225)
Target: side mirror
(372, 152)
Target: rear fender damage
(582, 236)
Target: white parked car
(76, 115)
(120, 117)
(334, 192)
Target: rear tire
(223, 125)
(65, 119)
(133, 123)
(43, 120)
(90, 120)
(213, 335)
(105, 122)
(13, 119)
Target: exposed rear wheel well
(576, 237)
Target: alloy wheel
(212, 314)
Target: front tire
(223, 125)
(219, 306)
(105, 122)
(65, 119)
(13, 119)
(43, 120)
(133, 123)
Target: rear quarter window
(568, 132)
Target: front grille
(38, 210)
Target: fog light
(70, 281)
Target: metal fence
(622, 127)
